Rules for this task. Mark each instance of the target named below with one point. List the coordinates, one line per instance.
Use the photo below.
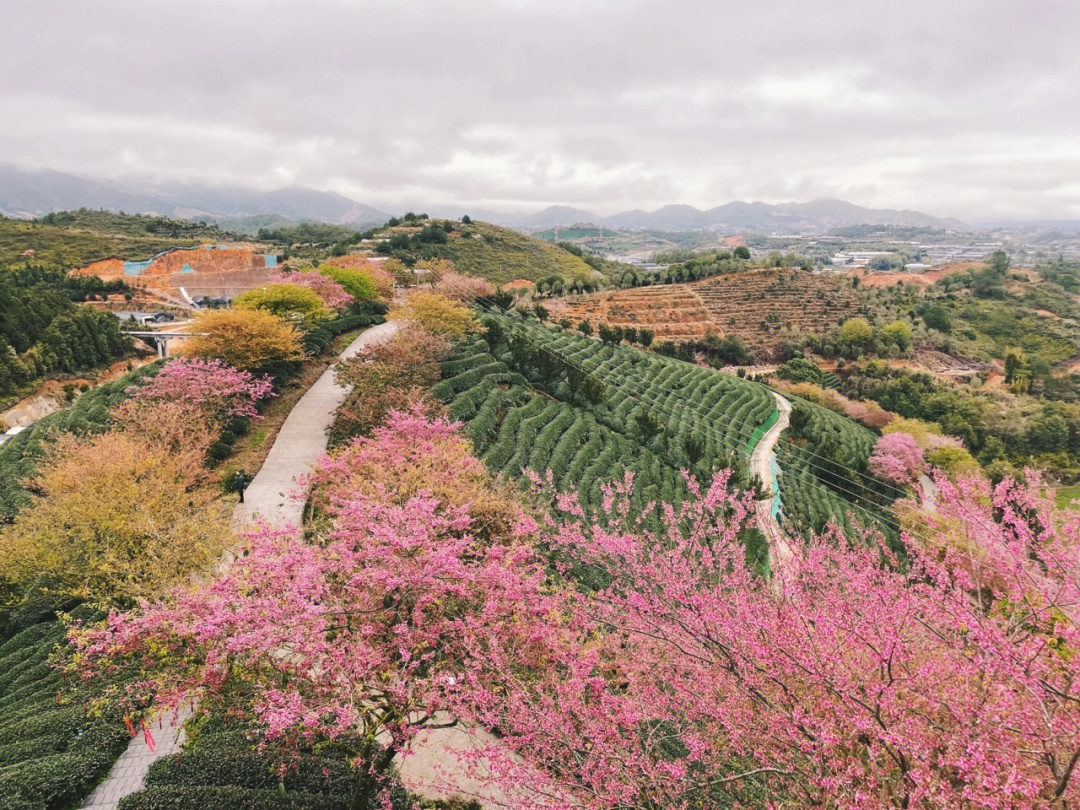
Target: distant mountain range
(816, 216)
(35, 193)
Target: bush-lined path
(275, 497)
(762, 465)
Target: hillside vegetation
(44, 333)
(70, 239)
(765, 308)
(488, 251)
(652, 415)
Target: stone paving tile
(128, 772)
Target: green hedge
(242, 766)
(51, 753)
(221, 768)
(227, 797)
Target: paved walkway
(298, 444)
(761, 465)
(929, 492)
(269, 496)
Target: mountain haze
(35, 193)
(27, 194)
(818, 215)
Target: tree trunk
(367, 783)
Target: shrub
(211, 386)
(332, 294)
(856, 332)
(117, 515)
(287, 301)
(953, 461)
(896, 334)
(242, 338)
(437, 314)
(387, 376)
(457, 287)
(415, 451)
(798, 370)
(898, 458)
(358, 283)
(225, 797)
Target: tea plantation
(540, 398)
(52, 752)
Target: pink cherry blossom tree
(210, 385)
(656, 669)
(331, 293)
(365, 637)
(898, 458)
(854, 681)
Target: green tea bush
(52, 752)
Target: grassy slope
(511, 255)
(78, 238)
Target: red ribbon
(148, 737)
(130, 728)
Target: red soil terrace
(207, 270)
(924, 279)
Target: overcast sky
(956, 108)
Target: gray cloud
(965, 108)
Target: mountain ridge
(34, 193)
(816, 215)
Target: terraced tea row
(763, 307)
(52, 752)
(656, 415)
(823, 458)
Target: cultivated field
(763, 307)
(515, 424)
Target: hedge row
(227, 797)
(222, 768)
(51, 752)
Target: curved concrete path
(269, 498)
(761, 466)
(928, 492)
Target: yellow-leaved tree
(245, 338)
(289, 302)
(118, 515)
(437, 314)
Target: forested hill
(43, 331)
